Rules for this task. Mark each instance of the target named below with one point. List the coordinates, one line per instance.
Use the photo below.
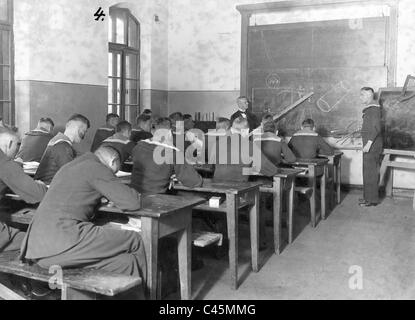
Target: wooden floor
(380, 240)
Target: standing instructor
(372, 147)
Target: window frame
(8, 27)
(124, 49)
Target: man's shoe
(368, 204)
(362, 201)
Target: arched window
(6, 62)
(124, 64)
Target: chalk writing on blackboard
(332, 98)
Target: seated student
(223, 125)
(307, 144)
(105, 132)
(148, 112)
(149, 176)
(13, 177)
(59, 150)
(272, 145)
(143, 129)
(265, 119)
(177, 124)
(35, 142)
(121, 141)
(229, 170)
(62, 232)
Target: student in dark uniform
(35, 142)
(148, 112)
(121, 141)
(62, 232)
(105, 132)
(59, 150)
(143, 129)
(13, 177)
(307, 144)
(243, 111)
(372, 147)
(272, 145)
(156, 160)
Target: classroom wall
(61, 59)
(204, 75)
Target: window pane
(131, 66)
(131, 92)
(110, 66)
(132, 34)
(4, 47)
(119, 66)
(4, 10)
(6, 90)
(120, 34)
(5, 111)
(110, 91)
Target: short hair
(109, 152)
(162, 123)
(239, 121)
(369, 89)
(176, 116)
(80, 118)
(111, 116)
(147, 112)
(270, 127)
(187, 117)
(143, 118)
(225, 121)
(308, 123)
(123, 126)
(242, 98)
(267, 117)
(47, 120)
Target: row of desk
(164, 215)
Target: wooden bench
(78, 284)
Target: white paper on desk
(133, 224)
(121, 174)
(30, 165)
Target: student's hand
(367, 147)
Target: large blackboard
(399, 119)
(333, 59)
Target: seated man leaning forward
(35, 142)
(307, 144)
(121, 141)
(60, 151)
(13, 177)
(62, 232)
(156, 160)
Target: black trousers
(371, 167)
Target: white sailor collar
(118, 139)
(305, 133)
(60, 137)
(161, 144)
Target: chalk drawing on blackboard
(332, 98)
(273, 81)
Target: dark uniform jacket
(120, 143)
(274, 148)
(151, 177)
(230, 159)
(62, 220)
(13, 177)
(252, 119)
(307, 144)
(34, 145)
(371, 128)
(58, 153)
(101, 134)
(138, 134)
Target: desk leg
(338, 181)
(323, 192)
(277, 195)
(312, 183)
(290, 208)
(389, 183)
(185, 258)
(150, 234)
(232, 204)
(254, 230)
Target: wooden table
(283, 181)
(233, 191)
(334, 167)
(316, 168)
(163, 215)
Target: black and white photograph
(189, 151)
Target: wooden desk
(233, 192)
(317, 168)
(334, 167)
(163, 215)
(283, 181)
